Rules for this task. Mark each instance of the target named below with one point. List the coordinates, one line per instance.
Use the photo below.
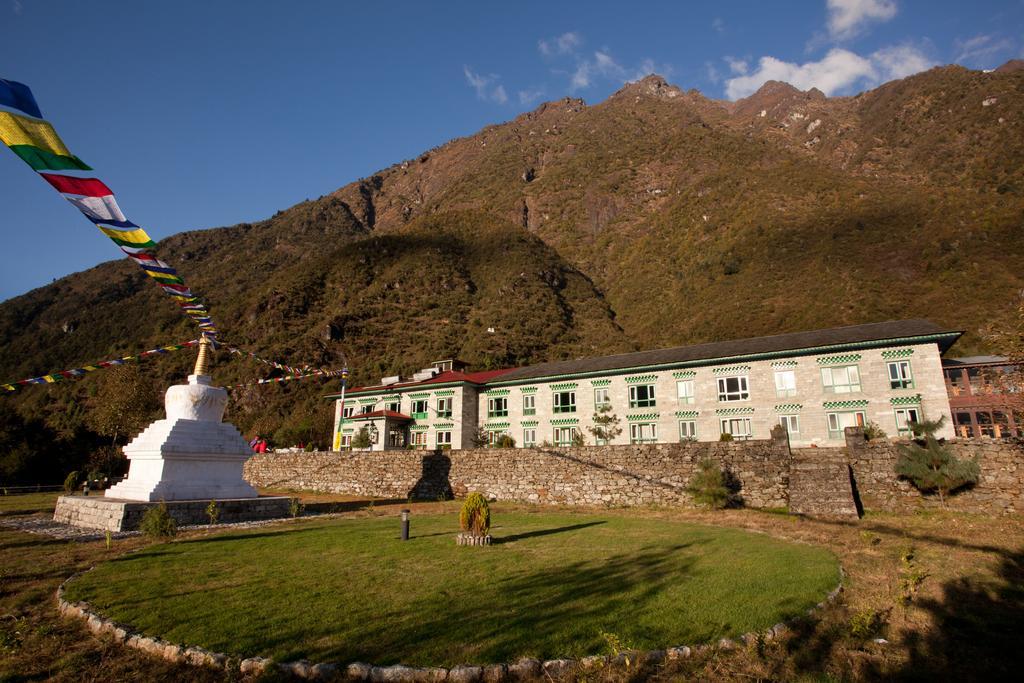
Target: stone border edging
(523, 670)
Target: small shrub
(71, 482)
(872, 431)
(932, 466)
(295, 507)
(505, 441)
(725, 436)
(577, 440)
(911, 577)
(212, 512)
(866, 624)
(475, 516)
(708, 485)
(158, 523)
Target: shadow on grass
(543, 532)
(315, 508)
(554, 612)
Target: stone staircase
(819, 483)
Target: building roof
(377, 414)
(837, 338)
(975, 360)
(446, 377)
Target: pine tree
(361, 439)
(932, 466)
(707, 485)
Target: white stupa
(190, 454)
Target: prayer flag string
(35, 141)
(85, 369)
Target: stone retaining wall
(111, 514)
(595, 475)
(1000, 489)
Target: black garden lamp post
(405, 525)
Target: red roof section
(449, 376)
(380, 413)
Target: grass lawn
(555, 583)
(28, 503)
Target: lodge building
(813, 383)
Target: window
(564, 436)
(443, 439)
(684, 390)
(419, 440)
(493, 436)
(641, 396)
(739, 427)
(419, 409)
(899, 375)
(601, 398)
(444, 407)
(529, 438)
(687, 430)
(346, 441)
(366, 409)
(837, 422)
(529, 404)
(733, 388)
(393, 406)
(904, 416)
(497, 406)
(643, 432)
(347, 412)
(565, 402)
(785, 383)
(844, 379)
(791, 423)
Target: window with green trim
(685, 392)
(564, 402)
(738, 427)
(393, 406)
(419, 409)
(497, 406)
(368, 408)
(842, 379)
(643, 432)
(641, 396)
(443, 439)
(687, 430)
(347, 412)
(900, 376)
(529, 404)
(791, 423)
(837, 422)
(601, 398)
(904, 416)
(733, 389)
(785, 383)
(419, 441)
(529, 438)
(444, 407)
(565, 436)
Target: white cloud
(712, 73)
(603, 66)
(529, 96)
(737, 66)
(485, 86)
(17, 7)
(847, 18)
(718, 24)
(561, 45)
(838, 71)
(981, 49)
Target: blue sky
(202, 114)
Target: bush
(505, 441)
(708, 487)
(212, 512)
(361, 438)
(725, 436)
(158, 523)
(475, 517)
(71, 482)
(872, 431)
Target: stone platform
(111, 514)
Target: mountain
(657, 217)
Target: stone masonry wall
(596, 475)
(999, 490)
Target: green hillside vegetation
(656, 218)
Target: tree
(475, 516)
(606, 425)
(123, 404)
(361, 439)
(480, 438)
(931, 465)
(708, 485)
